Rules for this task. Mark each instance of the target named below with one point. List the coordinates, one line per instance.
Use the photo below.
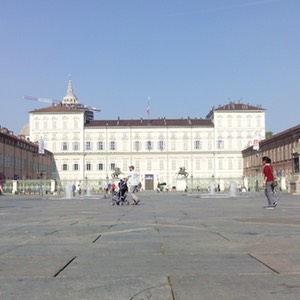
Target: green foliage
(269, 134)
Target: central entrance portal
(149, 182)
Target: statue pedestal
(181, 184)
(295, 184)
(53, 187)
(15, 187)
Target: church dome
(70, 97)
(25, 130)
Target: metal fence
(50, 186)
(213, 184)
(59, 187)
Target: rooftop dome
(70, 97)
(25, 130)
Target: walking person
(268, 182)
(133, 182)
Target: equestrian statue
(182, 172)
(116, 173)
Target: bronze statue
(116, 173)
(182, 172)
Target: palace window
(198, 145)
(64, 146)
(75, 146)
(220, 144)
(137, 145)
(113, 145)
(161, 145)
(88, 146)
(100, 145)
(149, 145)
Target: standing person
(268, 182)
(79, 188)
(133, 182)
(109, 188)
(73, 189)
(113, 187)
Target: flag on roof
(41, 146)
(148, 107)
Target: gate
(149, 182)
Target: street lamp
(86, 184)
(40, 175)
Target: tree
(269, 134)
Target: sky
(186, 55)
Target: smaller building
(22, 159)
(283, 149)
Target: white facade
(235, 128)
(91, 149)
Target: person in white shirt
(133, 182)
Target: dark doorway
(149, 182)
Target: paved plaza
(173, 246)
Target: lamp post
(106, 155)
(40, 175)
(83, 166)
(256, 180)
(86, 185)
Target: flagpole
(148, 108)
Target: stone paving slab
(115, 288)
(163, 264)
(31, 266)
(281, 263)
(236, 287)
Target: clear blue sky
(187, 55)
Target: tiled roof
(5, 133)
(187, 122)
(152, 122)
(293, 131)
(57, 109)
(133, 122)
(232, 106)
(237, 106)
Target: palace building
(89, 149)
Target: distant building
(85, 148)
(283, 149)
(21, 159)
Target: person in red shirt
(268, 182)
(113, 187)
